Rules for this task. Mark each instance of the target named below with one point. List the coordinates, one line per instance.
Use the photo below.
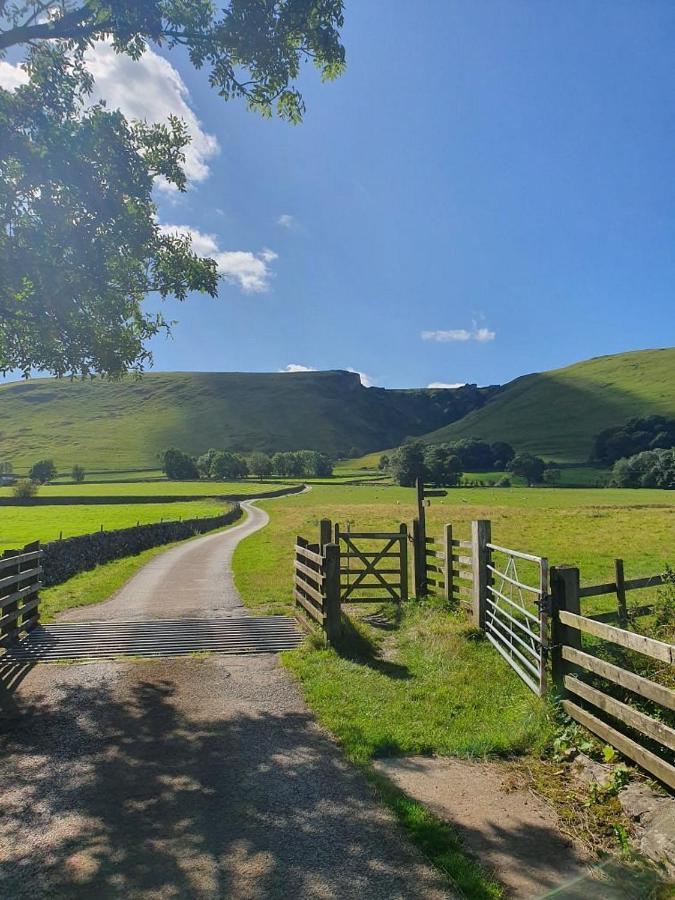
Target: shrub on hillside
(43, 471)
(25, 489)
(78, 474)
(651, 469)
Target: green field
(125, 424)
(557, 414)
(155, 488)
(22, 525)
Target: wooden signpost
(420, 536)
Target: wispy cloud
(297, 367)
(286, 220)
(444, 386)
(482, 335)
(250, 271)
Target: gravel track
(186, 778)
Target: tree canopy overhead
(252, 48)
(80, 244)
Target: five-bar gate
(373, 565)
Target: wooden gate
(516, 610)
(373, 565)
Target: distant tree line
(636, 436)
(444, 464)
(224, 465)
(649, 469)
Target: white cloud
(366, 380)
(11, 76)
(151, 89)
(460, 334)
(443, 385)
(296, 367)
(249, 270)
(287, 221)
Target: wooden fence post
(621, 592)
(480, 538)
(403, 529)
(419, 561)
(332, 611)
(325, 533)
(564, 595)
(447, 562)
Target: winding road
(187, 777)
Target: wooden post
(480, 553)
(564, 595)
(325, 533)
(544, 606)
(621, 592)
(331, 586)
(419, 562)
(403, 529)
(447, 562)
(421, 510)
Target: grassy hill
(125, 424)
(558, 413)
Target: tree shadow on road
(116, 791)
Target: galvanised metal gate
(516, 612)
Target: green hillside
(125, 424)
(558, 413)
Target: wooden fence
(609, 689)
(316, 585)
(620, 587)
(20, 583)
(449, 568)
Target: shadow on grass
(356, 645)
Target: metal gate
(516, 615)
(373, 565)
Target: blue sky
(497, 175)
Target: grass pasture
(421, 685)
(20, 525)
(156, 488)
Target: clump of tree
(650, 469)
(260, 465)
(636, 436)
(529, 467)
(179, 466)
(78, 474)
(435, 463)
(222, 465)
(302, 464)
(42, 471)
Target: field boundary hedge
(63, 559)
(113, 499)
